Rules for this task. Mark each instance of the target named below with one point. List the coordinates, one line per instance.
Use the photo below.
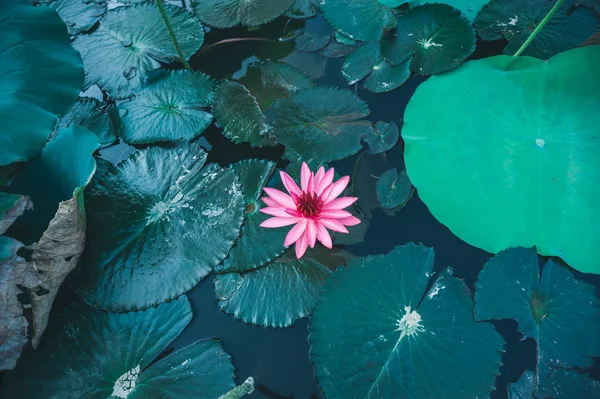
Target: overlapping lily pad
(561, 313)
(132, 41)
(513, 171)
(79, 15)
(40, 77)
(383, 138)
(434, 38)
(365, 20)
(228, 13)
(469, 8)
(514, 21)
(393, 189)
(172, 107)
(320, 123)
(310, 42)
(93, 354)
(302, 9)
(406, 341)
(158, 223)
(102, 119)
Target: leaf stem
(238, 39)
(165, 18)
(238, 392)
(538, 28)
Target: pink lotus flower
(313, 209)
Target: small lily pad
(469, 8)
(158, 223)
(383, 138)
(434, 37)
(228, 13)
(88, 353)
(79, 15)
(102, 119)
(399, 333)
(365, 20)
(302, 9)
(393, 189)
(172, 107)
(131, 42)
(309, 42)
(514, 20)
(320, 123)
(336, 50)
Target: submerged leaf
(228, 13)
(400, 334)
(40, 77)
(364, 20)
(79, 15)
(158, 223)
(102, 120)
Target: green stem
(238, 392)
(538, 28)
(165, 18)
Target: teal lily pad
(319, 123)
(131, 42)
(393, 189)
(172, 107)
(562, 383)
(11, 207)
(434, 38)
(228, 13)
(102, 119)
(469, 8)
(367, 61)
(276, 294)
(40, 77)
(514, 21)
(560, 313)
(310, 42)
(524, 388)
(302, 9)
(79, 15)
(343, 39)
(365, 20)
(336, 50)
(383, 138)
(400, 334)
(88, 353)
(256, 245)
(512, 169)
(158, 223)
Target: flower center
(309, 204)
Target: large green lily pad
(102, 119)
(515, 170)
(93, 354)
(561, 313)
(40, 77)
(365, 20)
(132, 41)
(378, 332)
(321, 123)
(228, 13)
(172, 107)
(434, 38)
(79, 15)
(158, 223)
(514, 20)
(469, 8)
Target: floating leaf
(393, 189)
(514, 20)
(367, 61)
(93, 354)
(336, 50)
(567, 384)
(102, 120)
(40, 77)
(383, 138)
(512, 169)
(256, 245)
(359, 19)
(320, 123)
(435, 38)
(11, 207)
(158, 223)
(172, 107)
(524, 388)
(79, 15)
(228, 13)
(132, 41)
(561, 313)
(343, 39)
(399, 334)
(469, 8)
(309, 42)
(301, 9)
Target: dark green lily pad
(79, 15)
(469, 8)
(524, 388)
(158, 223)
(228, 13)
(532, 160)
(434, 37)
(256, 245)
(514, 21)
(336, 50)
(172, 107)
(40, 77)
(102, 119)
(309, 42)
(367, 61)
(93, 354)
(302, 9)
(383, 138)
(132, 41)
(399, 334)
(11, 207)
(365, 20)
(320, 123)
(393, 189)
(567, 384)
(274, 295)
